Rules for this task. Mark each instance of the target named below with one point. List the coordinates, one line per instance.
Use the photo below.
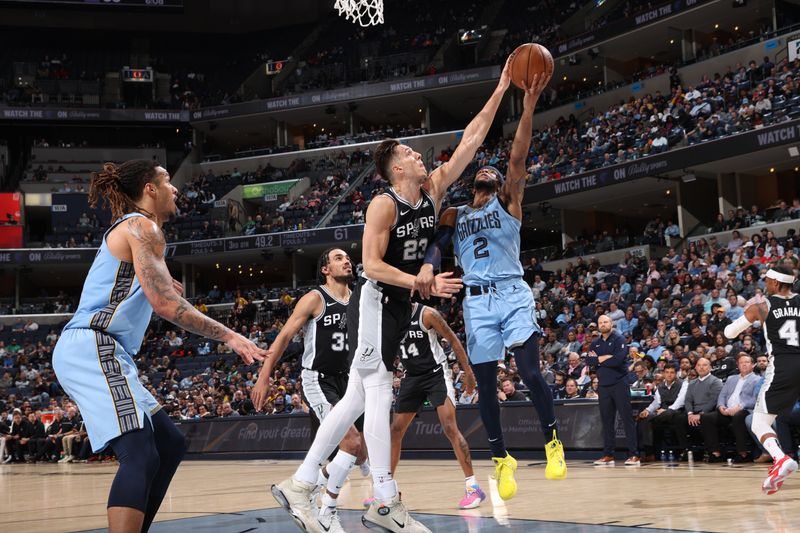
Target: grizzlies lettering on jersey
(325, 337)
(420, 351)
(486, 243)
(781, 326)
(413, 229)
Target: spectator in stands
(701, 399)
(571, 390)
(17, 438)
(736, 400)
(661, 414)
(509, 393)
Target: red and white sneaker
(777, 474)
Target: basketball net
(364, 12)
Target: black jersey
(781, 326)
(420, 351)
(409, 236)
(325, 337)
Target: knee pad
(762, 424)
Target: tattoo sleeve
(148, 246)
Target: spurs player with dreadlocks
(779, 314)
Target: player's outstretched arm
(147, 248)
(474, 134)
(757, 311)
(307, 307)
(514, 186)
(424, 284)
(431, 318)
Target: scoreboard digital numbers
(137, 75)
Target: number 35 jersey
(413, 229)
(325, 337)
(486, 243)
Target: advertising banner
(677, 159)
(579, 429)
(92, 115)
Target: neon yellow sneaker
(504, 474)
(556, 465)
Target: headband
(777, 276)
(499, 175)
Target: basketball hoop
(364, 12)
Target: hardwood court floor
(47, 498)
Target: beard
(485, 186)
(345, 278)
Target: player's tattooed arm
(147, 247)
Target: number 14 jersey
(486, 243)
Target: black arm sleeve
(433, 255)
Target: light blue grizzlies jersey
(112, 300)
(486, 243)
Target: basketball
(527, 60)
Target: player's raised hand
(534, 90)
(246, 349)
(505, 75)
(445, 285)
(423, 284)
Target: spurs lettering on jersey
(411, 229)
(420, 351)
(325, 337)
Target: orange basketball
(527, 60)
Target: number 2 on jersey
(480, 247)
(788, 333)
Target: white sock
(322, 481)
(308, 472)
(774, 449)
(328, 504)
(470, 482)
(384, 487)
(338, 469)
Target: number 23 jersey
(413, 229)
(486, 243)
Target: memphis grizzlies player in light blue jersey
(93, 358)
(498, 304)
